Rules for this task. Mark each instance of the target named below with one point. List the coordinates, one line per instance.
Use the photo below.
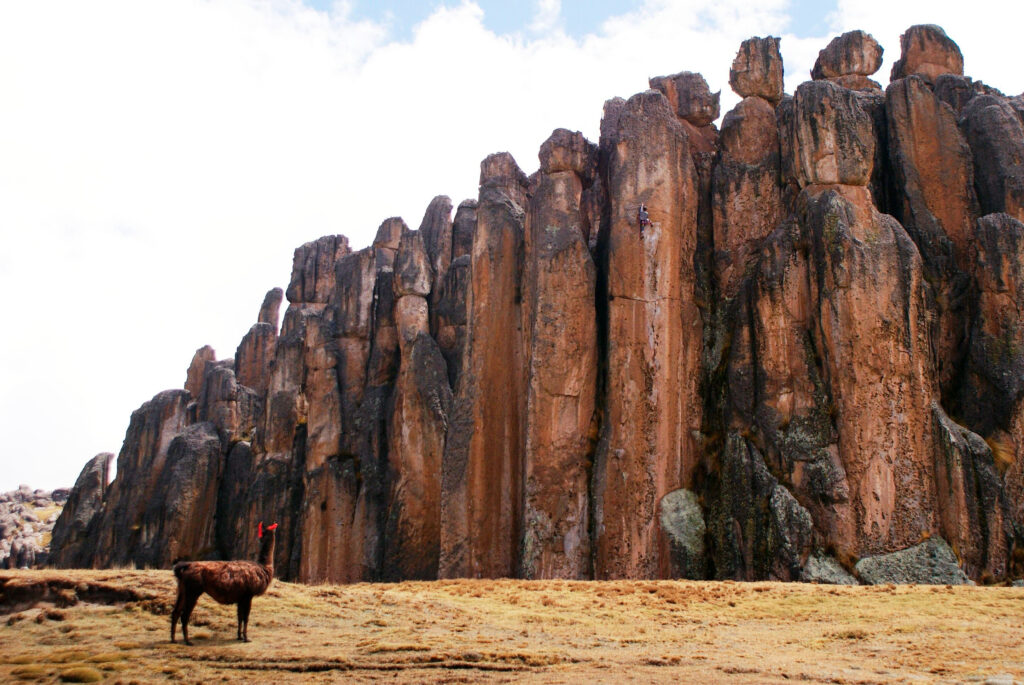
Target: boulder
(565, 150)
(689, 97)
(926, 51)
(855, 53)
(757, 70)
(931, 562)
(682, 519)
(826, 571)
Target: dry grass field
(113, 626)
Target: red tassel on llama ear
(259, 531)
(272, 526)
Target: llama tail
(179, 568)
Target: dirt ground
(113, 626)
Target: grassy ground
(114, 626)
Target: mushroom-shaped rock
(757, 69)
(566, 150)
(853, 53)
(927, 51)
(689, 96)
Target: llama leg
(190, 604)
(244, 605)
(179, 604)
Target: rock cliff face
(809, 363)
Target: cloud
(161, 160)
(547, 17)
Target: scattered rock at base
(683, 523)
(930, 563)
(826, 570)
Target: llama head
(259, 533)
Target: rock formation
(807, 367)
(28, 517)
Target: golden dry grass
(513, 631)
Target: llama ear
(272, 526)
(259, 531)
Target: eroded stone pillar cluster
(808, 364)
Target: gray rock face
(996, 136)
(683, 521)
(930, 563)
(73, 526)
(827, 571)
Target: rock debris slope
(809, 364)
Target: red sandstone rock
(568, 151)
(832, 138)
(689, 97)
(750, 435)
(757, 70)
(855, 53)
(417, 427)
(270, 310)
(654, 333)
(559, 289)
(197, 369)
(935, 202)
(481, 510)
(927, 51)
(872, 337)
(313, 269)
(746, 195)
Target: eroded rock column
(646, 448)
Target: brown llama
(228, 582)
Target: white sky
(159, 161)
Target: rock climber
(642, 217)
